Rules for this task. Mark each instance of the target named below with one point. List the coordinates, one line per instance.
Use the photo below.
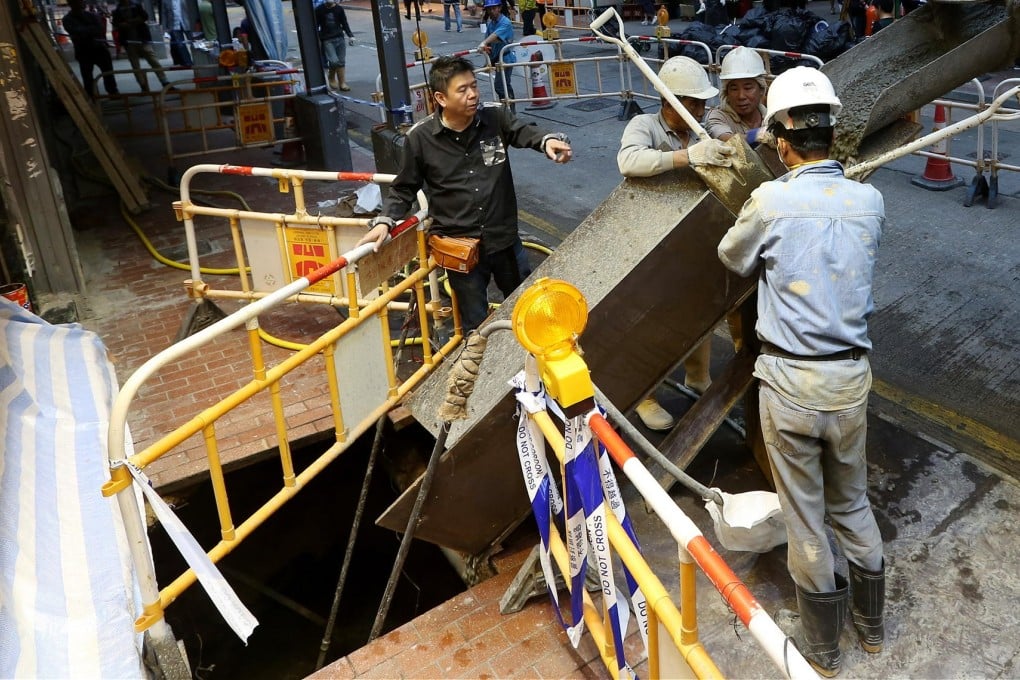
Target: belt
(854, 353)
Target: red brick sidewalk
(467, 637)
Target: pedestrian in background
(131, 22)
(88, 35)
(499, 32)
(334, 36)
(529, 8)
(458, 156)
(654, 143)
(452, 6)
(815, 258)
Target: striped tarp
(66, 596)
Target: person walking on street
(815, 258)
(334, 36)
(452, 6)
(88, 35)
(654, 143)
(417, 9)
(458, 156)
(130, 20)
(499, 32)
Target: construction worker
(743, 90)
(654, 143)
(458, 155)
(811, 236)
(331, 22)
(498, 33)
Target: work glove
(752, 135)
(710, 152)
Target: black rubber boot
(867, 606)
(816, 629)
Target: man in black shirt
(131, 22)
(458, 157)
(88, 34)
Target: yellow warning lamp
(549, 20)
(421, 40)
(547, 320)
(228, 58)
(662, 19)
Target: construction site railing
(695, 551)
(367, 327)
(569, 373)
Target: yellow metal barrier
(367, 326)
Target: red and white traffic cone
(938, 172)
(539, 90)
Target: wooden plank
(104, 146)
(701, 421)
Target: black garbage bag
(830, 42)
(756, 41)
(731, 35)
(789, 31)
(756, 18)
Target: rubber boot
(341, 78)
(816, 629)
(867, 606)
(331, 78)
(696, 367)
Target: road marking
(544, 226)
(947, 418)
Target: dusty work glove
(710, 152)
(380, 230)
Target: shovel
(732, 185)
(747, 522)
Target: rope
(461, 381)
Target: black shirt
(470, 192)
(331, 20)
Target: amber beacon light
(547, 320)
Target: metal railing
(670, 629)
(362, 340)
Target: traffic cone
(61, 34)
(539, 91)
(938, 173)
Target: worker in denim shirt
(813, 235)
(499, 32)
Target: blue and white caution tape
(542, 491)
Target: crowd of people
(813, 257)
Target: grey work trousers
(819, 466)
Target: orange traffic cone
(61, 34)
(539, 91)
(938, 173)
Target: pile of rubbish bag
(786, 29)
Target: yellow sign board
(307, 250)
(255, 123)
(564, 81)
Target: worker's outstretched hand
(710, 152)
(381, 226)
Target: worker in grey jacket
(812, 235)
(654, 143)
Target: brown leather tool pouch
(454, 252)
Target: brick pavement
(467, 637)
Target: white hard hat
(742, 62)
(685, 77)
(800, 86)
